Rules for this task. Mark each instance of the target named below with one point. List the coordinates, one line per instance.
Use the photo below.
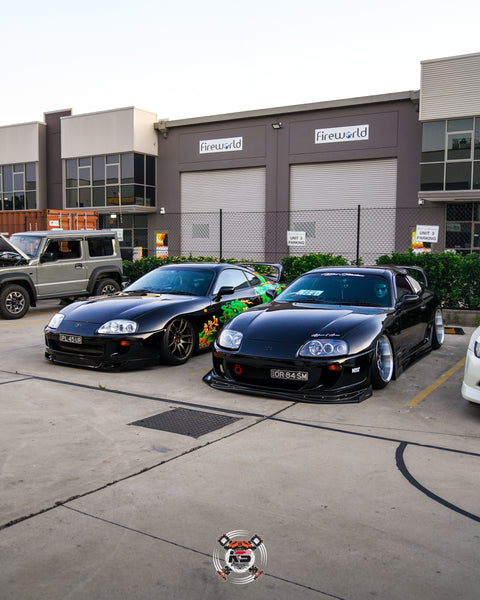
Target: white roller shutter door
(324, 199)
(240, 193)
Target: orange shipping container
(41, 220)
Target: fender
(26, 281)
(99, 272)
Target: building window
(134, 231)
(111, 180)
(450, 155)
(463, 227)
(18, 186)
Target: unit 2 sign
(427, 233)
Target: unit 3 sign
(427, 233)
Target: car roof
(377, 269)
(54, 233)
(209, 265)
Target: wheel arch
(100, 273)
(20, 279)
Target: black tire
(438, 330)
(14, 301)
(383, 363)
(179, 342)
(106, 287)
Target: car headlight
(476, 349)
(118, 327)
(324, 348)
(55, 321)
(230, 339)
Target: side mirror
(271, 293)
(409, 299)
(226, 290)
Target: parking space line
(437, 383)
(24, 323)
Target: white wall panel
(21, 143)
(109, 132)
(450, 87)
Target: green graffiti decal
(230, 310)
(211, 328)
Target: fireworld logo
(242, 560)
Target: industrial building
(351, 176)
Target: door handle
(78, 265)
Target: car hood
(104, 308)
(7, 246)
(291, 325)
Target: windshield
(28, 244)
(356, 289)
(169, 280)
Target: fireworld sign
(352, 133)
(233, 144)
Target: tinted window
(63, 249)
(459, 146)
(100, 246)
(339, 288)
(432, 177)
(172, 280)
(231, 277)
(98, 170)
(127, 168)
(458, 176)
(433, 141)
(253, 279)
(403, 286)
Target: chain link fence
(358, 234)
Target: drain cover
(186, 422)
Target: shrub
(455, 278)
(294, 266)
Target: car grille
(87, 348)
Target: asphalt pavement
(370, 500)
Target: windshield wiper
(178, 293)
(309, 301)
(133, 292)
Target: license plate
(290, 375)
(70, 339)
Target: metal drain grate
(184, 421)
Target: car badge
(268, 348)
(77, 324)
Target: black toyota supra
(164, 316)
(331, 335)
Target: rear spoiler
(272, 271)
(415, 272)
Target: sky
(187, 58)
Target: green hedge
(293, 266)
(455, 278)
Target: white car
(471, 377)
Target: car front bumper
(471, 378)
(102, 352)
(350, 382)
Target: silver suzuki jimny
(38, 265)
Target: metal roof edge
(412, 95)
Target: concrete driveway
(370, 500)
